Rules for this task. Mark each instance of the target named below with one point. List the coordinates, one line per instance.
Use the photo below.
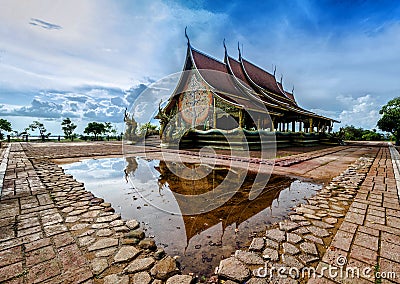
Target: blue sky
(88, 59)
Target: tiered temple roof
(250, 79)
(247, 86)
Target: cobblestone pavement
(369, 237)
(54, 231)
(302, 240)
(348, 233)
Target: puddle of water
(138, 188)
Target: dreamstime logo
(341, 260)
(199, 115)
(338, 271)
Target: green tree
(96, 128)
(351, 133)
(42, 130)
(4, 125)
(372, 135)
(390, 119)
(111, 130)
(68, 127)
(148, 129)
(358, 134)
(108, 127)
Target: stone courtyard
(55, 231)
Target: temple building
(216, 98)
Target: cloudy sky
(87, 60)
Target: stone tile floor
(369, 237)
(300, 242)
(53, 231)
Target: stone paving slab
(351, 225)
(300, 242)
(54, 231)
(368, 240)
(3, 165)
(396, 167)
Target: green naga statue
(131, 126)
(169, 132)
(164, 119)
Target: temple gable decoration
(195, 102)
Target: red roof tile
(290, 96)
(287, 94)
(203, 61)
(238, 71)
(261, 77)
(246, 103)
(223, 82)
(215, 73)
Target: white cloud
(82, 105)
(100, 42)
(324, 67)
(362, 111)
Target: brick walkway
(54, 231)
(369, 237)
(35, 243)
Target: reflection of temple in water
(235, 210)
(217, 228)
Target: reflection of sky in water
(106, 179)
